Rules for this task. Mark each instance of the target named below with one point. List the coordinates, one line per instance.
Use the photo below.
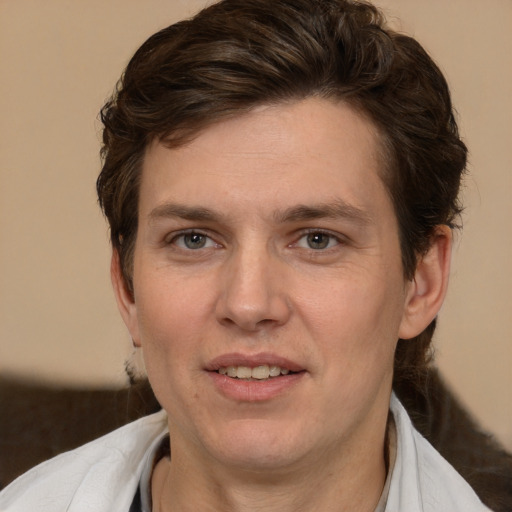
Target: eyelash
(210, 242)
(331, 237)
(191, 232)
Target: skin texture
(272, 237)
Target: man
(281, 180)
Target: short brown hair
(238, 54)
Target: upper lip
(252, 360)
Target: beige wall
(60, 60)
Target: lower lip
(254, 390)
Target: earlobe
(426, 292)
(124, 298)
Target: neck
(330, 483)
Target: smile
(261, 372)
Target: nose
(253, 295)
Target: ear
(125, 298)
(426, 292)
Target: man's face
(267, 246)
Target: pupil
(318, 240)
(194, 241)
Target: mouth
(257, 373)
(254, 377)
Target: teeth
(274, 371)
(243, 372)
(259, 372)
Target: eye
(193, 241)
(318, 241)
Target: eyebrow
(194, 213)
(337, 209)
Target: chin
(255, 445)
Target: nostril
(252, 297)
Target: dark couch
(38, 422)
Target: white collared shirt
(104, 475)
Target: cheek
(355, 325)
(169, 305)
(169, 339)
(355, 306)
(169, 317)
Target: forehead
(304, 152)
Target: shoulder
(422, 479)
(99, 476)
